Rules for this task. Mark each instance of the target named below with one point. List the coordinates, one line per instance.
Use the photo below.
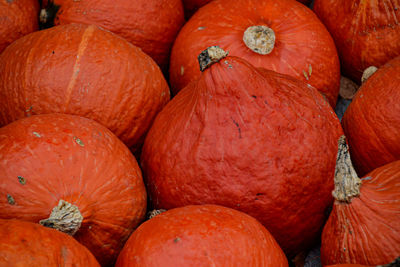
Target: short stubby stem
(260, 39)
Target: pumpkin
(366, 33)
(86, 71)
(201, 235)
(151, 25)
(372, 123)
(364, 225)
(250, 139)
(30, 244)
(72, 174)
(191, 6)
(18, 18)
(286, 37)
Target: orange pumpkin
(72, 174)
(364, 225)
(30, 244)
(366, 33)
(372, 122)
(17, 18)
(203, 235)
(151, 25)
(250, 139)
(286, 37)
(86, 71)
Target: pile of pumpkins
(199, 133)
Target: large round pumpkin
(151, 25)
(250, 139)
(285, 37)
(372, 122)
(364, 225)
(30, 244)
(86, 71)
(72, 174)
(203, 235)
(17, 18)
(366, 33)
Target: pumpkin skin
(224, 140)
(85, 71)
(367, 230)
(366, 33)
(151, 25)
(303, 47)
(201, 235)
(30, 244)
(53, 157)
(372, 123)
(18, 18)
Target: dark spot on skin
(176, 240)
(10, 199)
(21, 180)
(254, 96)
(52, 52)
(237, 125)
(10, 1)
(260, 194)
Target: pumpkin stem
(211, 55)
(154, 213)
(347, 183)
(65, 217)
(368, 73)
(260, 39)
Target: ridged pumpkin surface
(86, 71)
(53, 157)
(250, 139)
(17, 18)
(367, 230)
(372, 122)
(30, 244)
(151, 25)
(366, 33)
(303, 47)
(203, 235)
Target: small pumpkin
(72, 174)
(18, 18)
(151, 25)
(201, 235)
(364, 225)
(82, 70)
(372, 123)
(366, 33)
(250, 139)
(287, 38)
(30, 244)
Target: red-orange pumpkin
(203, 235)
(151, 25)
(290, 37)
(372, 122)
(17, 18)
(366, 33)
(56, 164)
(86, 71)
(250, 139)
(364, 225)
(192, 5)
(30, 244)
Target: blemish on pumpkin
(37, 134)
(237, 125)
(176, 240)
(305, 75)
(21, 180)
(182, 70)
(79, 141)
(309, 70)
(254, 96)
(52, 52)
(201, 28)
(10, 199)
